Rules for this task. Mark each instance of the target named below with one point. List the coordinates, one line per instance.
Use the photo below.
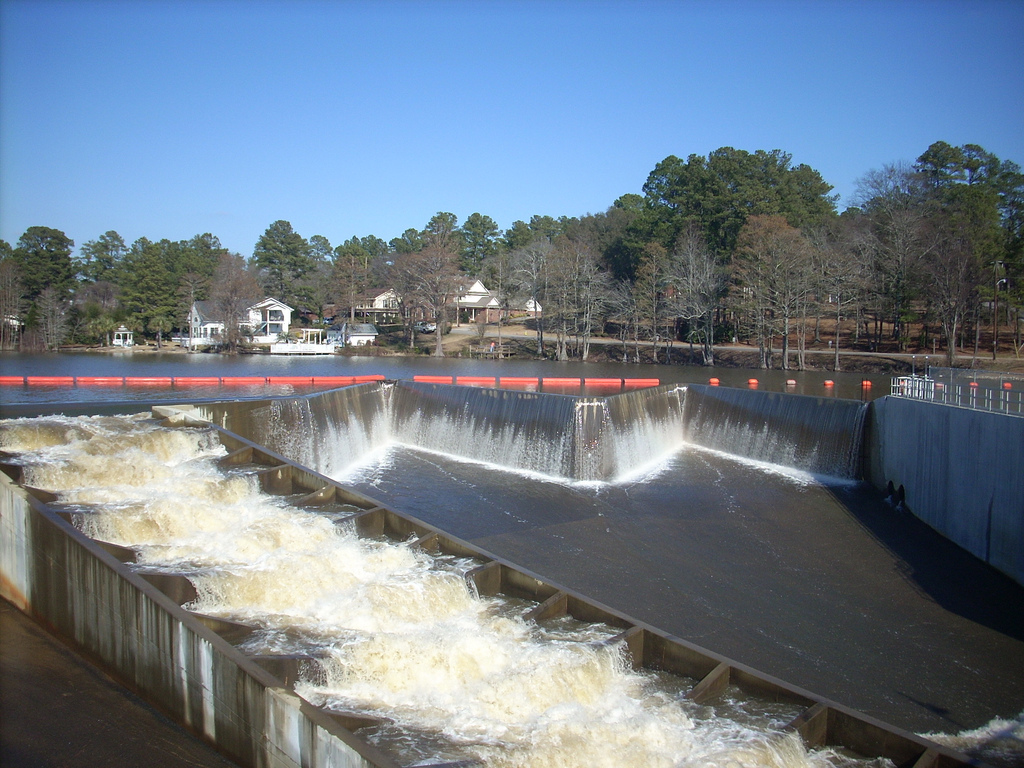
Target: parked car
(424, 327)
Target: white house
(358, 334)
(474, 299)
(265, 321)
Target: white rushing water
(400, 633)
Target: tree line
(734, 245)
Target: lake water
(846, 385)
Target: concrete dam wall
(960, 468)
(962, 471)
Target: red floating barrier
(334, 380)
(640, 383)
(829, 383)
(714, 381)
(371, 377)
(148, 381)
(18, 380)
(1007, 385)
(476, 381)
(603, 383)
(290, 379)
(559, 381)
(228, 380)
(519, 382)
(100, 381)
(193, 380)
(434, 379)
(30, 380)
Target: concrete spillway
(568, 437)
(327, 432)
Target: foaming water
(399, 632)
(999, 743)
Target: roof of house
(478, 301)
(269, 302)
(361, 329)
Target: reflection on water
(398, 632)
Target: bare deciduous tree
(772, 271)
(895, 240)
(532, 274)
(699, 283)
(427, 279)
(11, 305)
(234, 289)
(577, 295)
(52, 318)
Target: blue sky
(170, 119)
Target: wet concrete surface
(826, 587)
(59, 711)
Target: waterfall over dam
(815, 434)
(577, 438)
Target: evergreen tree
(283, 257)
(44, 259)
(149, 289)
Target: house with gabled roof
(264, 322)
(476, 301)
(359, 334)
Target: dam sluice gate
(324, 627)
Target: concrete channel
(187, 665)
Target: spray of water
(399, 632)
(1000, 743)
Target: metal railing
(994, 391)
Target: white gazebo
(124, 338)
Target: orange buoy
(31, 380)
(752, 383)
(866, 384)
(714, 381)
(790, 382)
(1007, 385)
(829, 383)
(974, 384)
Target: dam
(667, 497)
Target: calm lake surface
(847, 385)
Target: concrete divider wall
(158, 649)
(962, 470)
